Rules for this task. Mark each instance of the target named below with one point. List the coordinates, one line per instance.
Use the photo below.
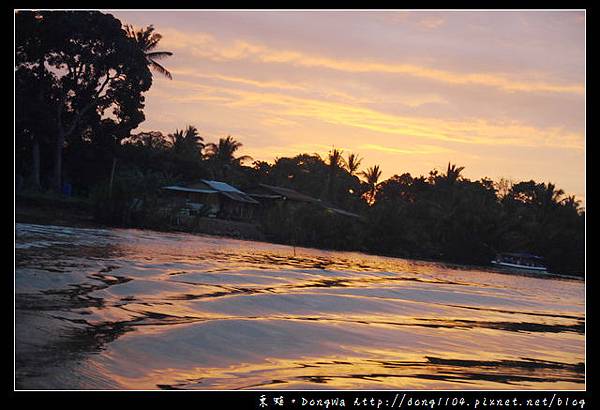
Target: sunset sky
(501, 93)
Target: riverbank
(48, 209)
(45, 209)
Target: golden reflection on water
(144, 310)
(374, 369)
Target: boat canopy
(521, 255)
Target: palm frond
(353, 162)
(157, 55)
(147, 41)
(152, 41)
(154, 65)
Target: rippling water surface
(131, 309)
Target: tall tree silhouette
(147, 39)
(186, 144)
(94, 68)
(335, 161)
(452, 174)
(549, 195)
(352, 163)
(32, 118)
(371, 175)
(222, 156)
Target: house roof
(189, 189)
(221, 186)
(290, 193)
(214, 187)
(230, 191)
(342, 212)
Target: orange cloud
(409, 150)
(466, 131)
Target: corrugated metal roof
(215, 187)
(290, 193)
(186, 189)
(221, 186)
(297, 196)
(230, 191)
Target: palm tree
(222, 155)
(335, 158)
(371, 175)
(571, 202)
(186, 143)
(453, 173)
(147, 40)
(549, 196)
(335, 162)
(352, 163)
(547, 199)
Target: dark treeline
(80, 83)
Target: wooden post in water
(293, 233)
(112, 177)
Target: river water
(132, 309)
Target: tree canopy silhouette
(96, 74)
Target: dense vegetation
(80, 79)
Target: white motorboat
(522, 261)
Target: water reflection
(144, 310)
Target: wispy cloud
(204, 45)
(467, 131)
(189, 72)
(408, 150)
(286, 86)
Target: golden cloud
(288, 107)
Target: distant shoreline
(76, 214)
